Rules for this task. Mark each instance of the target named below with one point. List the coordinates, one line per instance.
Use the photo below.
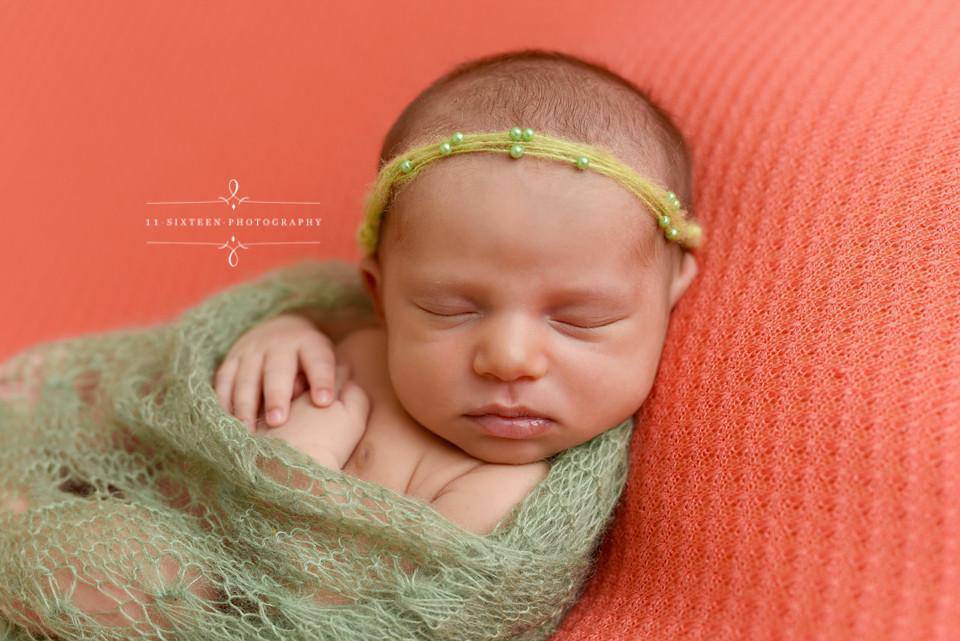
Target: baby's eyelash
(586, 326)
(594, 326)
(433, 313)
(568, 324)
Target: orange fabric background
(795, 473)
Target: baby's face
(517, 282)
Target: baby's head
(527, 282)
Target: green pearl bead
(663, 221)
(406, 166)
(527, 134)
(583, 162)
(516, 133)
(445, 148)
(516, 151)
(673, 199)
(456, 138)
(672, 233)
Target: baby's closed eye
(580, 322)
(588, 323)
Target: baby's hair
(558, 94)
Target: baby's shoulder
(483, 496)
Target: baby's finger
(224, 382)
(318, 364)
(279, 371)
(246, 390)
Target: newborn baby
(521, 302)
(524, 247)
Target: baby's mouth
(514, 427)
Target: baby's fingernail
(275, 415)
(324, 396)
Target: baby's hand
(328, 435)
(272, 353)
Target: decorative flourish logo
(232, 256)
(233, 185)
(233, 201)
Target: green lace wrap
(125, 488)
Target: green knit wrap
(121, 477)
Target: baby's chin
(509, 454)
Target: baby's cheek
(424, 378)
(604, 385)
(628, 390)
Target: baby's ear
(682, 277)
(372, 279)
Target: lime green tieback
(517, 143)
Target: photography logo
(234, 222)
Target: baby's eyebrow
(593, 294)
(564, 294)
(567, 295)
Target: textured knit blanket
(133, 506)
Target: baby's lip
(515, 427)
(512, 411)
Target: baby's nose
(510, 349)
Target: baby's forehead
(477, 192)
(638, 248)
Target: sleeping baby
(524, 245)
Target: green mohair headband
(662, 204)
